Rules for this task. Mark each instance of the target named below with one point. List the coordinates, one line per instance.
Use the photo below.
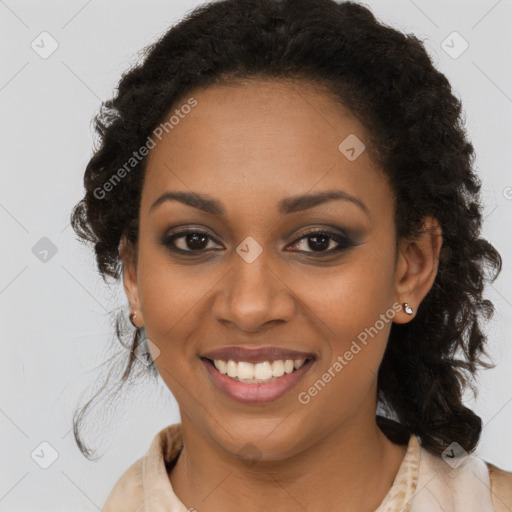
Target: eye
(321, 240)
(188, 240)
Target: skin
(249, 145)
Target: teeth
(260, 372)
(298, 363)
(277, 368)
(221, 366)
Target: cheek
(172, 302)
(351, 297)
(166, 294)
(352, 311)
(176, 305)
(353, 327)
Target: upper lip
(255, 355)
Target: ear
(128, 255)
(416, 267)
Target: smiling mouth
(258, 373)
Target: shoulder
(146, 481)
(127, 491)
(501, 488)
(465, 483)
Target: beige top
(424, 482)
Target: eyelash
(343, 241)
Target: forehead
(262, 140)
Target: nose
(252, 296)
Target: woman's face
(252, 277)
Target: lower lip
(249, 393)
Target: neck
(355, 464)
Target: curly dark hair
(417, 137)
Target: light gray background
(55, 323)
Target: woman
(287, 190)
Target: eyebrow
(285, 206)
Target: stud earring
(407, 308)
(132, 319)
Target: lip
(254, 393)
(255, 355)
